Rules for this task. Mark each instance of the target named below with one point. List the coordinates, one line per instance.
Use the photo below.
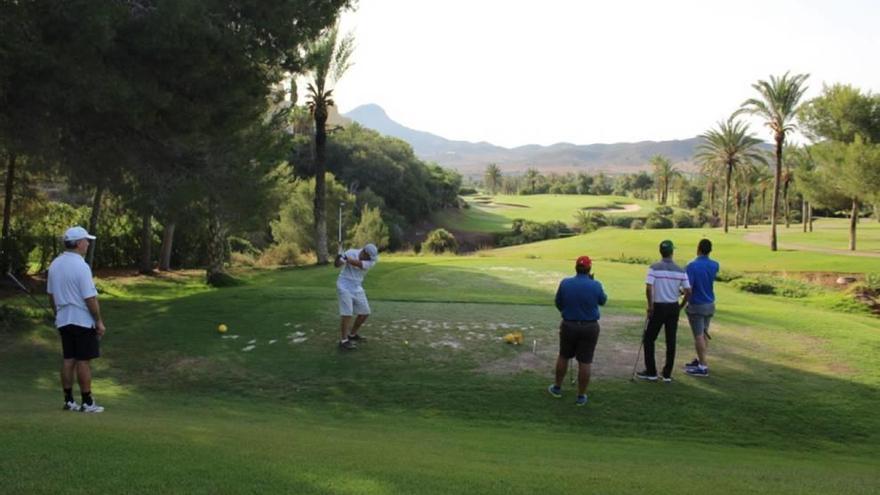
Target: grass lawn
(833, 233)
(434, 402)
(495, 213)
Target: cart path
(763, 238)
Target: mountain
(471, 158)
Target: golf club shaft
(24, 289)
(641, 343)
(339, 244)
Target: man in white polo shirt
(665, 283)
(73, 297)
(353, 302)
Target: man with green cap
(665, 284)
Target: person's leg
(561, 369)
(84, 376)
(583, 377)
(344, 326)
(67, 368)
(358, 321)
(651, 333)
(671, 329)
(701, 346)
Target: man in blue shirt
(578, 299)
(701, 273)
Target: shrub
(631, 260)
(371, 229)
(466, 191)
(621, 221)
(658, 222)
(283, 253)
(663, 211)
(637, 224)
(682, 220)
(754, 286)
(439, 241)
(727, 276)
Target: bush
(664, 211)
(631, 260)
(440, 241)
(242, 259)
(466, 191)
(658, 222)
(727, 276)
(622, 221)
(754, 286)
(371, 229)
(283, 253)
(637, 224)
(682, 220)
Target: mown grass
(495, 213)
(833, 233)
(434, 402)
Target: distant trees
(327, 61)
(727, 146)
(663, 175)
(778, 105)
(492, 178)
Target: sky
(518, 72)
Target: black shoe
(357, 338)
(643, 375)
(692, 364)
(347, 345)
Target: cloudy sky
(518, 72)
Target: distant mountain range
(471, 158)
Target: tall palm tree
(728, 145)
(664, 171)
(778, 105)
(532, 177)
(492, 178)
(327, 61)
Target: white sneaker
(71, 406)
(91, 408)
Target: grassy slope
(833, 233)
(790, 408)
(539, 208)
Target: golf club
(632, 376)
(570, 372)
(339, 243)
(42, 306)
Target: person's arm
(339, 261)
(355, 262)
(52, 305)
(687, 296)
(603, 298)
(649, 295)
(95, 310)
(559, 297)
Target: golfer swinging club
(578, 299)
(352, 298)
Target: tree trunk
(853, 220)
(320, 212)
(736, 202)
(712, 198)
(216, 271)
(93, 221)
(165, 251)
(727, 193)
(786, 205)
(763, 203)
(748, 206)
(774, 209)
(810, 215)
(146, 263)
(804, 214)
(7, 213)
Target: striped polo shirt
(668, 279)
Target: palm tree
(492, 177)
(729, 145)
(532, 177)
(778, 105)
(327, 61)
(663, 174)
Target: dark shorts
(79, 343)
(578, 339)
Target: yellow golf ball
(222, 328)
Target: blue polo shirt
(579, 298)
(701, 273)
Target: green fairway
(434, 402)
(833, 233)
(495, 213)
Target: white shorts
(352, 303)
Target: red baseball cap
(584, 261)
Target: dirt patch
(512, 204)
(615, 353)
(631, 208)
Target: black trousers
(665, 315)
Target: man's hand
(650, 310)
(100, 328)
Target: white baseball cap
(77, 233)
(372, 251)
